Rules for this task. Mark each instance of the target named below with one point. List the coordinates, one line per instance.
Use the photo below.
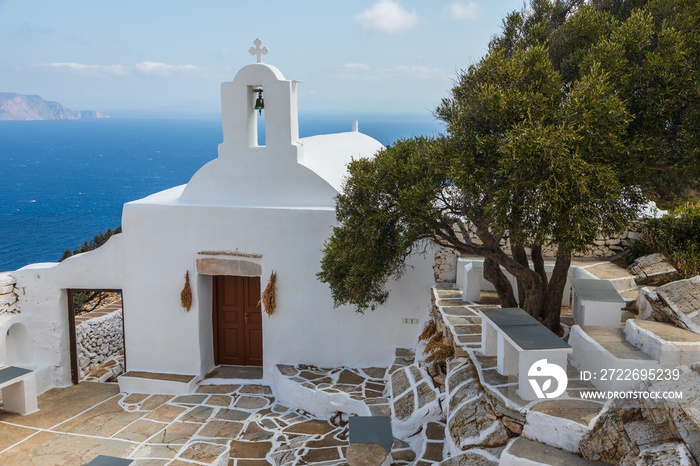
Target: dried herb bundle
(268, 296)
(186, 294)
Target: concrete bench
(595, 303)
(518, 340)
(370, 440)
(104, 460)
(18, 390)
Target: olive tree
(542, 137)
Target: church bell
(259, 103)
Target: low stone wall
(9, 294)
(445, 265)
(98, 339)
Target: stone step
(620, 278)
(670, 345)
(631, 295)
(523, 451)
(604, 351)
(155, 382)
(403, 357)
(561, 423)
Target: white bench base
(511, 359)
(19, 393)
(590, 310)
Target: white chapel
(255, 210)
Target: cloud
(457, 10)
(95, 70)
(356, 66)
(416, 71)
(146, 68)
(388, 17)
(162, 69)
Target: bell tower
(241, 99)
(249, 174)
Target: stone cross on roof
(258, 51)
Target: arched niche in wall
(17, 345)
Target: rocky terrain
(33, 107)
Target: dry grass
(436, 349)
(428, 331)
(441, 354)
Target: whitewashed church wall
(45, 317)
(98, 339)
(305, 328)
(204, 297)
(44, 304)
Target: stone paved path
(365, 385)
(235, 425)
(103, 310)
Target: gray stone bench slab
(103, 460)
(18, 390)
(595, 303)
(518, 340)
(371, 429)
(370, 440)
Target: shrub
(96, 242)
(676, 235)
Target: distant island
(21, 107)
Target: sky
(369, 56)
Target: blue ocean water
(65, 181)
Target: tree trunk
(533, 293)
(494, 274)
(538, 262)
(520, 256)
(551, 310)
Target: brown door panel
(238, 321)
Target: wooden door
(237, 321)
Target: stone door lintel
(228, 266)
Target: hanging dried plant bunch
(186, 294)
(268, 296)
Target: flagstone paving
(365, 384)
(234, 425)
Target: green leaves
(386, 207)
(577, 110)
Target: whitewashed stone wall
(98, 339)
(445, 265)
(9, 294)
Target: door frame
(73, 340)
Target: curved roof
(328, 155)
(307, 174)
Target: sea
(64, 181)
